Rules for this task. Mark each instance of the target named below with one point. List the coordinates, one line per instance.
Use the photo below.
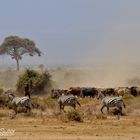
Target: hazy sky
(75, 31)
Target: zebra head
(100, 95)
(9, 95)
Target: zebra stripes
(18, 101)
(67, 100)
(111, 102)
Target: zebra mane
(101, 95)
(10, 93)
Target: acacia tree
(16, 47)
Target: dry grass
(49, 124)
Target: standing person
(26, 90)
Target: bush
(38, 103)
(43, 103)
(74, 115)
(38, 83)
(101, 116)
(128, 96)
(21, 109)
(50, 103)
(8, 104)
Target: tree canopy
(39, 83)
(16, 47)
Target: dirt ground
(51, 125)
(30, 128)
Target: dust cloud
(8, 78)
(96, 76)
(106, 75)
(112, 62)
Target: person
(26, 90)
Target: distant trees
(16, 47)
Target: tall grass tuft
(74, 115)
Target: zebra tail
(33, 105)
(78, 103)
(124, 105)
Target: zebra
(18, 101)
(67, 100)
(111, 102)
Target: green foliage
(74, 115)
(128, 96)
(38, 83)
(8, 104)
(21, 109)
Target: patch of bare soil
(32, 128)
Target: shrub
(38, 103)
(8, 104)
(50, 103)
(101, 116)
(74, 115)
(21, 109)
(43, 103)
(128, 96)
(38, 83)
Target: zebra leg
(15, 109)
(28, 108)
(124, 104)
(102, 109)
(32, 104)
(108, 109)
(60, 106)
(120, 110)
(74, 106)
(15, 112)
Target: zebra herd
(110, 97)
(67, 100)
(71, 100)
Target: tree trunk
(17, 60)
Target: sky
(74, 32)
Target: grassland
(49, 124)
